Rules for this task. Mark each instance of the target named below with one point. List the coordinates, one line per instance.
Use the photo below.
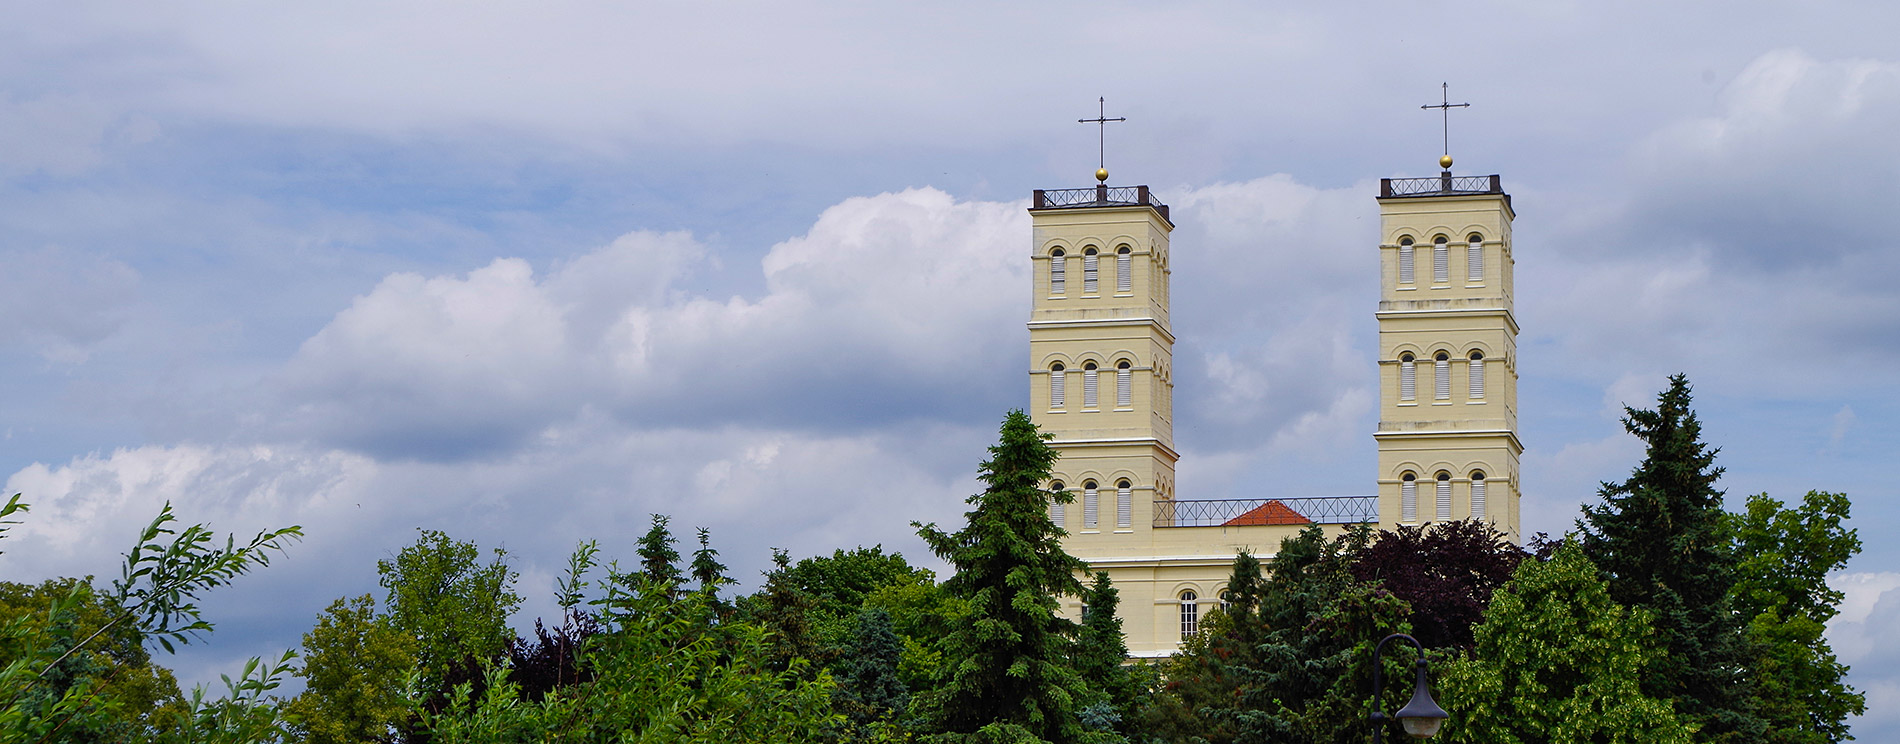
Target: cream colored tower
(1448, 445)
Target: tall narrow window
(1088, 271)
(1088, 385)
(1441, 261)
(1444, 496)
(1477, 494)
(1441, 376)
(1124, 504)
(1474, 258)
(1405, 261)
(1190, 613)
(1058, 380)
(1408, 498)
(1476, 373)
(1090, 505)
(1058, 272)
(1124, 276)
(1408, 377)
(1124, 384)
(1058, 511)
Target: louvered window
(1090, 505)
(1477, 495)
(1058, 379)
(1124, 385)
(1088, 271)
(1190, 613)
(1441, 376)
(1444, 497)
(1405, 261)
(1441, 261)
(1474, 259)
(1476, 373)
(1408, 499)
(1088, 386)
(1408, 377)
(1124, 504)
(1058, 273)
(1058, 511)
(1124, 271)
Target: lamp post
(1421, 717)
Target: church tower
(1448, 445)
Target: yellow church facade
(1101, 382)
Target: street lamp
(1421, 717)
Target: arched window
(1444, 496)
(1058, 511)
(1190, 613)
(1090, 505)
(1477, 494)
(1476, 373)
(1474, 258)
(1405, 260)
(1124, 276)
(1058, 272)
(1088, 385)
(1441, 260)
(1441, 376)
(1124, 384)
(1058, 380)
(1124, 504)
(1226, 601)
(1408, 498)
(1408, 377)
(1088, 271)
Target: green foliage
(869, 687)
(1781, 587)
(246, 714)
(1100, 657)
(659, 560)
(1009, 676)
(707, 570)
(454, 608)
(111, 688)
(160, 580)
(355, 667)
(839, 583)
(922, 615)
(1557, 661)
(13, 506)
(784, 610)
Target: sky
(529, 272)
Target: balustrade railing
(1099, 196)
(1443, 184)
(1258, 512)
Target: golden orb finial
(1445, 162)
(1101, 174)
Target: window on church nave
(1058, 379)
(1408, 377)
(1089, 271)
(1090, 505)
(1476, 375)
(1089, 386)
(1190, 613)
(1124, 276)
(1124, 384)
(1441, 260)
(1474, 258)
(1477, 494)
(1408, 498)
(1441, 376)
(1444, 496)
(1058, 511)
(1058, 272)
(1124, 504)
(1405, 260)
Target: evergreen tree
(869, 689)
(1446, 572)
(659, 560)
(784, 611)
(1009, 676)
(711, 575)
(1659, 538)
(1101, 656)
(1781, 588)
(1556, 661)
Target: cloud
(60, 302)
(1861, 636)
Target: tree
(1660, 540)
(1445, 571)
(1010, 676)
(1781, 588)
(1557, 661)
(659, 560)
(451, 605)
(1101, 656)
(869, 688)
(1202, 683)
(354, 666)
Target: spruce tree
(1009, 675)
(659, 560)
(869, 688)
(1101, 653)
(1659, 539)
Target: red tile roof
(1272, 512)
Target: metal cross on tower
(1444, 108)
(1101, 121)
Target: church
(1101, 351)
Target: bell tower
(1447, 436)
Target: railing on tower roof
(1444, 184)
(1099, 196)
(1262, 512)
